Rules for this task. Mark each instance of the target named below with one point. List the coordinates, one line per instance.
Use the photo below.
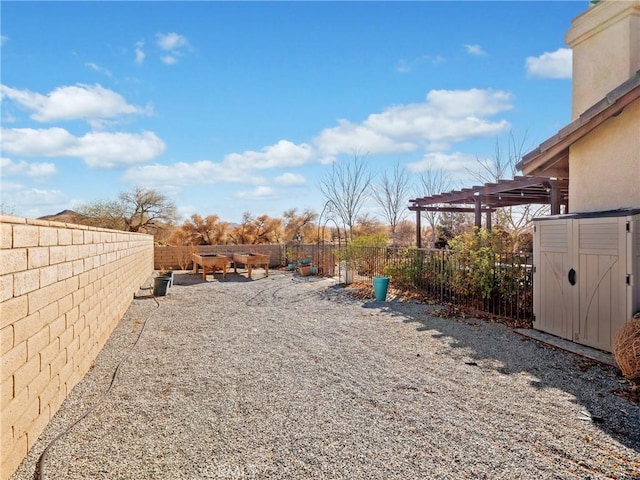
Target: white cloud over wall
(556, 64)
(34, 202)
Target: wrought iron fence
(500, 284)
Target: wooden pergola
(487, 198)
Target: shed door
(602, 250)
(554, 296)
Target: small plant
(185, 255)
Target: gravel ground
(288, 377)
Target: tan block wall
(63, 289)
(606, 50)
(177, 257)
(605, 165)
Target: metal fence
(499, 284)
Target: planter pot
(380, 287)
(169, 275)
(291, 266)
(313, 270)
(160, 286)
(305, 270)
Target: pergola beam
(487, 198)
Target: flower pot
(291, 266)
(380, 287)
(305, 270)
(169, 275)
(313, 270)
(160, 286)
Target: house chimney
(606, 50)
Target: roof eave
(551, 157)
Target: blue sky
(229, 107)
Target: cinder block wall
(178, 257)
(63, 289)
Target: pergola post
(555, 198)
(418, 228)
(478, 212)
(488, 220)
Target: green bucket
(380, 287)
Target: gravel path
(287, 377)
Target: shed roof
(552, 156)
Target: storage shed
(586, 268)
(587, 263)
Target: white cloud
(234, 168)
(406, 66)
(97, 149)
(102, 149)
(290, 179)
(98, 68)
(31, 202)
(50, 142)
(447, 116)
(283, 154)
(259, 193)
(203, 172)
(169, 60)
(556, 64)
(475, 49)
(173, 44)
(139, 59)
(72, 102)
(36, 169)
(171, 41)
(448, 162)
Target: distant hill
(66, 216)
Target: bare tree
(145, 209)
(105, 214)
(346, 188)
(392, 194)
(254, 230)
(302, 225)
(206, 231)
(501, 166)
(138, 210)
(433, 182)
(367, 224)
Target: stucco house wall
(605, 41)
(605, 165)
